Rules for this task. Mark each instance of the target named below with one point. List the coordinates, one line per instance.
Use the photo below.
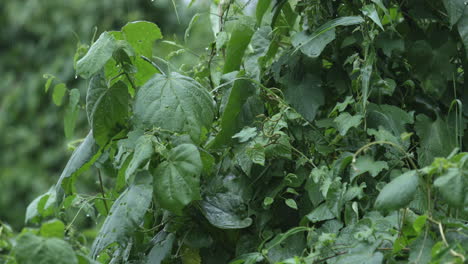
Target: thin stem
(102, 192)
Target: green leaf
(262, 7)
(237, 97)
(174, 102)
(453, 186)
(193, 21)
(98, 55)
(420, 249)
(365, 164)
(437, 139)
(312, 45)
(256, 153)
(291, 203)
(371, 12)
(259, 44)
(81, 159)
(315, 45)
(305, 95)
(177, 180)
(320, 213)
(50, 78)
(362, 254)
(345, 121)
(240, 37)
(248, 258)
(399, 192)
(125, 216)
(390, 117)
(463, 29)
(161, 250)
(141, 35)
(221, 210)
(53, 228)
(31, 249)
(59, 92)
(143, 151)
(454, 9)
(107, 108)
(71, 113)
(246, 134)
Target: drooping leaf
(176, 180)
(237, 98)
(262, 7)
(312, 45)
(345, 121)
(161, 250)
(98, 55)
(143, 151)
(221, 211)
(240, 37)
(399, 192)
(260, 43)
(107, 108)
(125, 216)
(436, 139)
(59, 92)
(176, 103)
(71, 113)
(82, 158)
(31, 249)
(453, 186)
(371, 12)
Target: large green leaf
(454, 9)
(174, 102)
(98, 55)
(240, 38)
(222, 211)
(313, 44)
(453, 186)
(31, 249)
(125, 216)
(436, 139)
(107, 108)
(399, 192)
(177, 180)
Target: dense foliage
(308, 132)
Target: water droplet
(76, 76)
